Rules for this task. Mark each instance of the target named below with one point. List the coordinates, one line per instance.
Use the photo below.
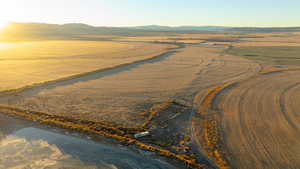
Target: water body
(25, 146)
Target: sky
(259, 13)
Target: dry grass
(26, 63)
(258, 116)
(213, 141)
(154, 112)
(121, 96)
(207, 103)
(182, 38)
(271, 39)
(212, 132)
(278, 70)
(279, 55)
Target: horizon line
(171, 26)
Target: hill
(28, 31)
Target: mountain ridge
(28, 31)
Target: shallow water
(34, 148)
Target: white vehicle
(143, 134)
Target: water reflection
(21, 153)
(26, 147)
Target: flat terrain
(26, 63)
(262, 122)
(210, 100)
(128, 91)
(280, 55)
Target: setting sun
(3, 24)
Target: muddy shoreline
(15, 127)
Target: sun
(3, 24)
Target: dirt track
(261, 122)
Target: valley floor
(209, 101)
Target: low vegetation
(278, 70)
(26, 63)
(279, 55)
(99, 128)
(212, 134)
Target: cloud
(19, 153)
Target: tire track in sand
(261, 124)
(207, 127)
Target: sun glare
(3, 24)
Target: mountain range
(75, 30)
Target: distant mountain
(40, 30)
(215, 28)
(29, 31)
(266, 29)
(180, 28)
(25, 31)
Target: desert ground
(208, 100)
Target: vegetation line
(278, 70)
(212, 134)
(97, 129)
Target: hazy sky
(161, 12)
